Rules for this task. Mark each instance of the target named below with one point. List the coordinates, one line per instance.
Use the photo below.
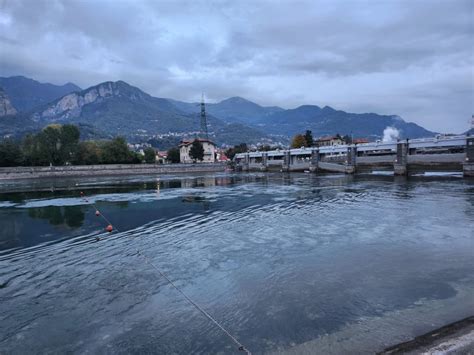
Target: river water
(287, 263)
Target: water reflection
(72, 216)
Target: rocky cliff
(71, 105)
(6, 107)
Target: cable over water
(240, 346)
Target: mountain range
(27, 94)
(117, 108)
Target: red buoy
(97, 213)
(109, 228)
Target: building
(209, 151)
(328, 141)
(221, 157)
(360, 141)
(161, 157)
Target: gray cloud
(412, 58)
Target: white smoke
(390, 134)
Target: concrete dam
(403, 157)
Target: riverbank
(454, 338)
(35, 172)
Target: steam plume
(390, 134)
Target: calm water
(288, 263)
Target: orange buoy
(109, 228)
(97, 213)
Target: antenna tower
(204, 119)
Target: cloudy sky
(413, 58)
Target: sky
(412, 58)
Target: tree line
(60, 145)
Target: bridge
(447, 153)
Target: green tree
(264, 148)
(88, 153)
(309, 138)
(173, 155)
(137, 158)
(298, 141)
(49, 147)
(59, 144)
(37, 149)
(116, 152)
(10, 153)
(69, 136)
(197, 151)
(55, 144)
(31, 151)
(241, 148)
(150, 155)
(231, 152)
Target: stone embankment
(13, 173)
(453, 339)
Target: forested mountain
(231, 109)
(117, 108)
(326, 121)
(322, 121)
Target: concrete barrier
(447, 153)
(34, 172)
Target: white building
(209, 151)
(329, 141)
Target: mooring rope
(240, 346)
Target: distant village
(211, 153)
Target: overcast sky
(413, 58)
